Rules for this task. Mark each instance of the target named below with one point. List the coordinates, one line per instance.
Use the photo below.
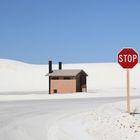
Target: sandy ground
(27, 112)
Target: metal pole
(128, 91)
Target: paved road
(40, 114)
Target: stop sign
(128, 58)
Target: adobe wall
(63, 86)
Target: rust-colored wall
(63, 86)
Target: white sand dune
(33, 117)
(17, 76)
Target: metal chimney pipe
(60, 65)
(50, 66)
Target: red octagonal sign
(128, 58)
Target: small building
(67, 80)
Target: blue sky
(72, 31)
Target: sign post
(128, 58)
(128, 90)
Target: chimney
(60, 65)
(50, 66)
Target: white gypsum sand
(18, 78)
(27, 114)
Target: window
(68, 78)
(55, 78)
